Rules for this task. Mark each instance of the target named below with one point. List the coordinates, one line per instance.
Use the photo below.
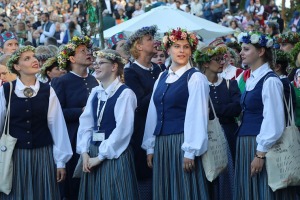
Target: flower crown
(255, 38)
(179, 34)
(16, 55)
(148, 30)
(282, 56)
(205, 55)
(288, 37)
(69, 49)
(109, 56)
(294, 54)
(49, 62)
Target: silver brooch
(28, 92)
(3, 148)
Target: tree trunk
(283, 11)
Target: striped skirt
(169, 179)
(256, 187)
(34, 175)
(112, 179)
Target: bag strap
(7, 119)
(290, 109)
(212, 107)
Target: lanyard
(101, 112)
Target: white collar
(79, 75)
(261, 70)
(219, 81)
(180, 71)
(20, 86)
(143, 67)
(110, 90)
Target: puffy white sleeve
(119, 139)
(86, 126)
(62, 150)
(2, 109)
(196, 118)
(149, 139)
(273, 123)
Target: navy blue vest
(108, 123)
(170, 100)
(252, 106)
(28, 118)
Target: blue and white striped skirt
(169, 179)
(112, 179)
(256, 187)
(34, 175)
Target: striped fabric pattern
(113, 179)
(169, 179)
(256, 187)
(34, 175)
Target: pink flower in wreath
(172, 38)
(183, 35)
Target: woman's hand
(85, 160)
(188, 164)
(94, 162)
(257, 164)
(60, 174)
(150, 160)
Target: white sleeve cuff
(189, 155)
(262, 148)
(150, 151)
(60, 165)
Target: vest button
(26, 99)
(27, 131)
(153, 77)
(84, 79)
(87, 88)
(161, 103)
(27, 110)
(28, 142)
(85, 83)
(28, 121)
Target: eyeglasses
(98, 64)
(219, 59)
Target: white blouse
(273, 122)
(196, 118)
(62, 150)
(119, 139)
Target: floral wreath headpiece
(294, 54)
(70, 48)
(109, 55)
(148, 30)
(256, 38)
(49, 63)
(16, 55)
(288, 37)
(180, 34)
(205, 55)
(282, 56)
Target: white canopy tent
(167, 18)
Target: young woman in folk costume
(105, 130)
(262, 123)
(176, 127)
(36, 119)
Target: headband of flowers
(205, 55)
(288, 37)
(294, 54)
(256, 38)
(16, 55)
(148, 30)
(69, 49)
(49, 62)
(179, 34)
(282, 56)
(109, 55)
